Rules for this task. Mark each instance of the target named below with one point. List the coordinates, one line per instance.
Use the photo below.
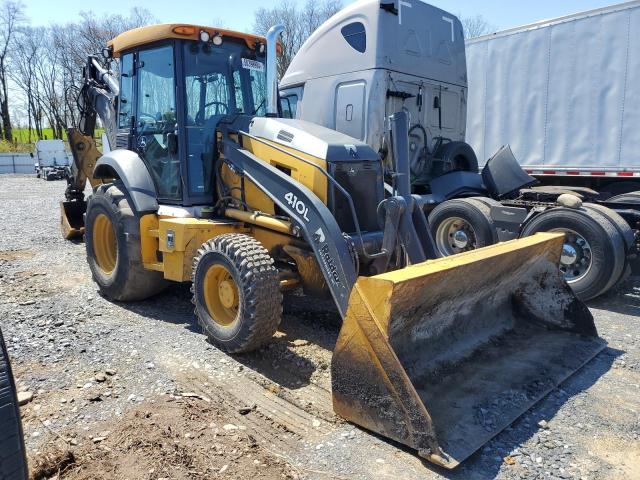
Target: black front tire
(129, 280)
(257, 286)
(474, 213)
(13, 460)
(606, 244)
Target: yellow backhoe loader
(201, 182)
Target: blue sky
(238, 14)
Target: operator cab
(173, 94)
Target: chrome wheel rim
(576, 258)
(455, 235)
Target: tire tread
(262, 296)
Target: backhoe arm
(95, 100)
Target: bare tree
(476, 26)
(11, 20)
(25, 57)
(299, 24)
(46, 65)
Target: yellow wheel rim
(221, 295)
(105, 246)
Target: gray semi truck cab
(375, 58)
(378, 57)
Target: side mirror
(31, 154)
(285, 106)
(172, 143)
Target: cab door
(155, 127)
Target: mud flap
(72, 218)
(443, 355)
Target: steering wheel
(151, 119)
(199, 120)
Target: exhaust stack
(272, 70)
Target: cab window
(126, 91)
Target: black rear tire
(624, 230)
(252, 317)
(13, 459)
(474, 220)
(631, 197)
(128, 280)
(607, 258)
(618, 222)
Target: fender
(458, 184)
(128, 167)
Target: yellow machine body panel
(277, 155)
(305, 174)
(443, 355)
(169, 244)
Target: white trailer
(52, 160)
(565, 94)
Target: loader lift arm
(308, 213)
(319, 227)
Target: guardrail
(16, 163)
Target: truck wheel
(459, 155)
(593, 256)
(236, 292)
(631, 197)
(460, 225)
(623, 229)
(13, 461)
(112, 239)
(618, 222)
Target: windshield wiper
(259, 106)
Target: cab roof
(153, 33)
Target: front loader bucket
(443, 355)
(72, 218)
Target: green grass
(21, 139)
(21, 135)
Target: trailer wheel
(462, 224)
(236, 292)
(13, 461)
(112, 240)
(593, 256)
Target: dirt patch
(177, 439)
(13, 255)
(622, 456)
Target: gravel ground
(135, 391)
